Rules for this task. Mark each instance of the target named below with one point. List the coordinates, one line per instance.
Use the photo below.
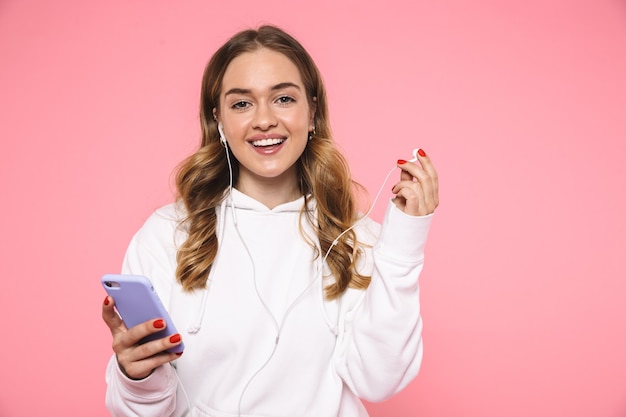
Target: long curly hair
(324, 175)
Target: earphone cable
(278, 326)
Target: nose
(264, 117)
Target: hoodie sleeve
(154, 396)
(148, 255)
(379, 347)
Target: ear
(214, 114)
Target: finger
(424, 172)
(412, 199)
(426, 163)
(412, 172)
(429, 168)
(134, 337)
(137, 333)
(424, 187)
(405, 175)
(415, 192)
(143, 368)
(155, 347)
(110, 316)
(139, 361)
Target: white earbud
(221, 130)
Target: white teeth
(267, 142)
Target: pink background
(522, 105)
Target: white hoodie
(261, 340)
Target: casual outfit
(261, 340)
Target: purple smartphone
(136, 302)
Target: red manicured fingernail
(401, 161)
(106, 301)
(158, 324)
(421, 152)
(179, 353)
(175, 338)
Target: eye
(240, 105)
(285, 100)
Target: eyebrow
(279, 86)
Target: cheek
(303, 121)
(234, 127)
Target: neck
(271, 195)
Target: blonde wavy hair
(203, 178)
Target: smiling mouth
(266, 142)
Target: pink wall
(521, 104)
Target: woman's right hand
(138, 361)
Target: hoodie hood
(241, 201)
(233, 202)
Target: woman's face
(266, 117)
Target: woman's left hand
(417, 192)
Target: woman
(289, 303)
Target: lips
(267, 142)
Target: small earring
(311, 134)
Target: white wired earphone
(222, 137)
(299, 297)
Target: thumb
(110, 316)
